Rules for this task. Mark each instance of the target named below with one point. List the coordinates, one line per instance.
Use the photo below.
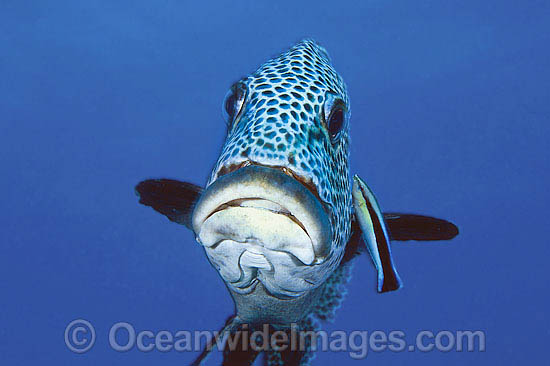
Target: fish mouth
(266, 209)
(306, 182)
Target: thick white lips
(257, 225)
(264, 206)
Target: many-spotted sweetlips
(280, 217)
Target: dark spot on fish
(245, 152)
(259, 112)
(291, 159)
(297, 96)
(284, 96)
(314, 135)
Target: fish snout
(260, 222)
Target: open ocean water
(450, 117)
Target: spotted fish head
(277, 208)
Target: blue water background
(450, 115)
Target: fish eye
(336, 122)
(335, 117)
(233, 103)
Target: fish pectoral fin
(375, 235)
(174, 199)
(403, 227)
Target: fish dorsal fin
(375, 235)
(174, 199)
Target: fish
(280, 218)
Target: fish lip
(254, 181)
(238, 203)
(307, 183)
